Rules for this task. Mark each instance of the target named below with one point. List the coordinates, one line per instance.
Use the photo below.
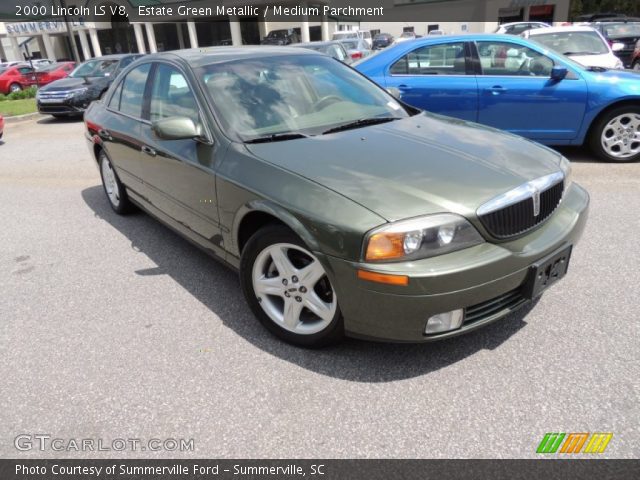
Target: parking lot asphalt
(115, 327)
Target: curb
(19, 118)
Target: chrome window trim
(520, 193)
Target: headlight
(420, 237)
(565, 166)
(78, 91)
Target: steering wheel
(326, 101)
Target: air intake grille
(505, 302)
(519, 217)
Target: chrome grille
(523, 208)
(54, 95)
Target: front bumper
(70, 106)
(486, 280)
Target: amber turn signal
(385, 246)
(401, 280)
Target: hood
(70, 83)
(605, 60)
(415, 166)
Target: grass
(10, 108)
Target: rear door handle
(105, 134)
(149, 151)
(496, 90)
(404, 88)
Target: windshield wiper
(580, 53)
(277, 137)
(363, 122)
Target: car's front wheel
(113, 188)
(288, 289)
(616, 135)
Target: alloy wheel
(620, 137)
(293, 289)
(110, 183)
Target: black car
(626, 32)
(382, 40)
(281, 37)
(88, 82)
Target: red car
(1, 126)
(54, 72)
(14, 79)
(635, 60)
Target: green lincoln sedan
(345, 211)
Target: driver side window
(511, 59)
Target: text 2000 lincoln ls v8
(345, 211)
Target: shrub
(22, 94)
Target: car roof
(528, 22)
(579, 28)
(320, 43)
(198, 57)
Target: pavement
(114, 327)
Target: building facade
(50, 39)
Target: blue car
(516, 85)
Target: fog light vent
(444, 322)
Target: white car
(364, 35)
(405, 37)
(516, 28)
(583, 44)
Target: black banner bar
(16, 469)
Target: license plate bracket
(546, 272)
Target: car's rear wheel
(616, 135)
(15, 87)
(288, 289)
(113, 188)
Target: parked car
(585, 45)
(332, 48)
(53, 72)
(516, 28)
(344, 210)
(13, 64)
(635, 61)
(516, 85)
(72, 95)
(281, 37)
(352, 35)
(1, 127)
(405, 36)
(41, 63)
(382, 40)
(625, 32)
(16, 78)
(356, 48)
(436, 32)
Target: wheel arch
(632, 101)
(260, 213)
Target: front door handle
(149, 151)
(496, 90)
(404, 88)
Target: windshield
(96, 68)
(342, 35)
(408, 35)
(350, 44)
(621, 30)
(574, 43)
(296, 94)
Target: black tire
(261, 240)
(123, 206)
(596, 132)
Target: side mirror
(394, 92)
(559, 73)
(617, 46)
(176, 128)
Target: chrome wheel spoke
(310, 274)
(269, 286)
(282, 262)
(318, 307)
(291, 314)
